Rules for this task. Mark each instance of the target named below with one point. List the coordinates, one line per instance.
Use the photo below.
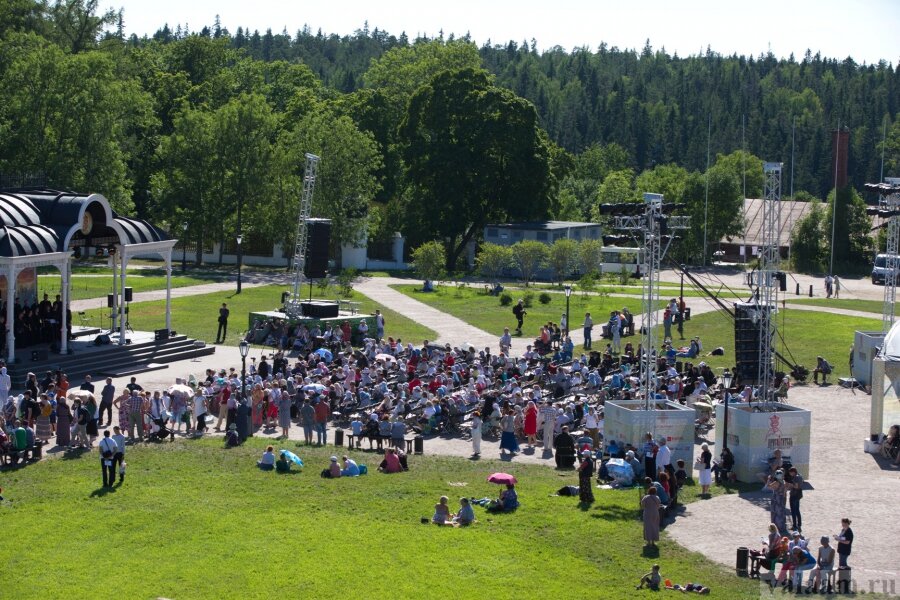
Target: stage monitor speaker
(747, 336)
(38, 355)
(128, 294)
(102, 340)
(160, 335)
(318, 240)
(110, 300)
(318, 309)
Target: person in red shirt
(322, 411)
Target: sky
(866, 30)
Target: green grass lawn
(83, 288)
(872, 306)
(807, 334)
(472, 305)
(194, 520)
(196, 316)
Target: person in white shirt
(664, 459)
(108, 449)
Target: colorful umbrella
(180, 388)
(325, 353)
(502, 479)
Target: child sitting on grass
(651, 579)
(441, 511)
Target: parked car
(880, 270)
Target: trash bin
(687, 314)
(743, 557)
(338, 437)
(37, 451)
(419, 444)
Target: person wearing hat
(585, 474)
(333, 471)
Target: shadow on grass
(102, 491)
(650, 552)
(616, 513)
(75, 453)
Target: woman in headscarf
(43, 431)
(63, 423)
(508, 433)
(585, 473)
(650, 505)
(530, 427)
(258, 406)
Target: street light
(240, 258)
(244, 348)
(568, 289)
(727, 378)
(184, 227)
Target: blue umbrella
(326, 354)
(292, 457)
(314, 387)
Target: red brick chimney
(840, 146)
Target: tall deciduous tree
(590, 256)
(475, 155)
(808, 242)
(529, 256)
(563, 258)
(492, 259)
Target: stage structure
(655, 225)
(292, 306)
(888, 208)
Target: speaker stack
(318, 240)
(747, 332)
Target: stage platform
(142, 353)
(353, 318)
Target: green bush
(544, 298)
(345, 281)
(528, 298)
(505, 299)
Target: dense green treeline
(207, 129)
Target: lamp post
(727, 378)
(568, 289)
(240, 258)
(184, 227)
(244, 348)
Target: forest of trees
(193, 126)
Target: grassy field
(872, 306)
(807, 334)
(472, 305)
(84, 287)
(196, 316)
(194, 520)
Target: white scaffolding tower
(655, 225)
(292, 306)
(889, 206)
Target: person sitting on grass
(231, 437)
(351, 469)
(508, 501)
(651, 579)
(441, 512)
(267, 463)
(282, 465)
(466, 514)
(391, 462)
(333, 471)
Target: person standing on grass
(588, 326)
(650, 505)
(119, 457)
(615, 331)
(321, 422)
(519, 312)
(108, 449)
(222, 332)
(379, 324)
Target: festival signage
(754, 435)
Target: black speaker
(110, 298)
(160, 334)
(318, 240)
(38, 355)
(102, 340)
(128, 295)
(747, 335)
(319, 309)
